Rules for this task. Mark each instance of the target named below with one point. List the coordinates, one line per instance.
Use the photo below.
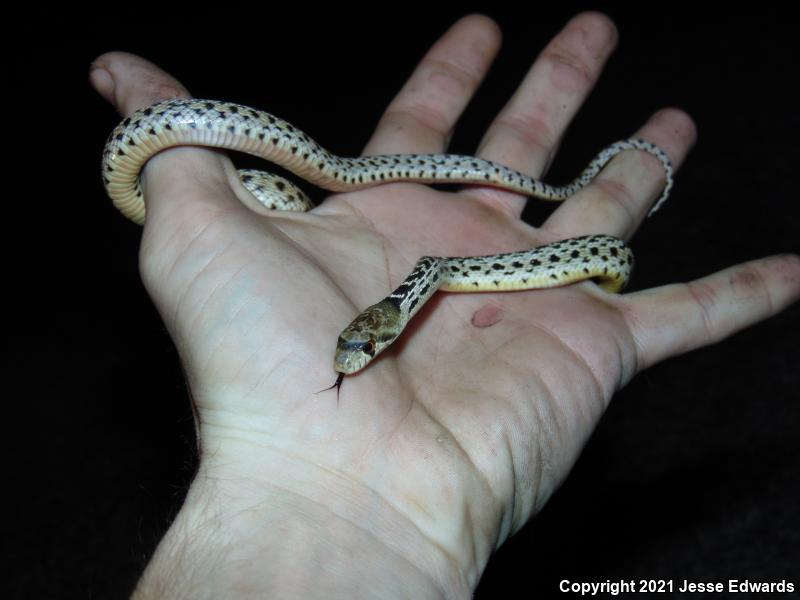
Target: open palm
(465, 426)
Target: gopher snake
(179, 122)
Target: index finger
(422, 115)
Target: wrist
(294, 529)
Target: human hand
(458, 434)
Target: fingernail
(103, 82)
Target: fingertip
(483, 24)
(679, 124)
(787, 269)
(102, 81)
(791, 260)
(672, 130)
(130, 82)
(597, 26)
(474, 41)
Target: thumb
(179, 184)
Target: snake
(604, 259)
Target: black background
(692, 474)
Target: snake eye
(368, 348)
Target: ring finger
(622, 194)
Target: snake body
(180, 122)
(601, 257)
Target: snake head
(353, 355)
(365, 338)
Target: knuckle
(570, 70)
(618, 197)
(577, 54)
(706, 299)
(415, 116)
(532, 131)
(446, 78)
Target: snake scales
(179, 122)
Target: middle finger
(527, 131)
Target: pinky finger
(673, 319)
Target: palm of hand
(469, 389)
